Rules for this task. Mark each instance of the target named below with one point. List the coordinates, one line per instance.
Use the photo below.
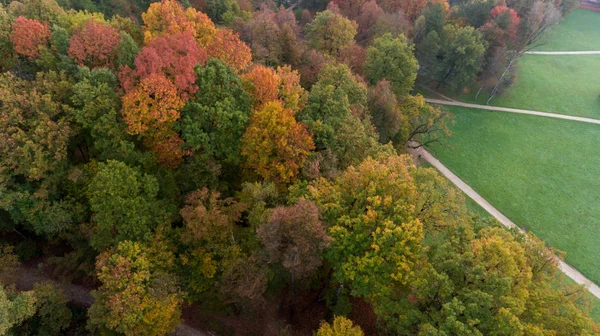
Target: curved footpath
(512, 110)
(79, 295)
(564, 267)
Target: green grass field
(558, 84)
(564, 84)
(577, 32)
(542, 173)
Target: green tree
(34, 136)
(214, 120)
(453, 58)
(330, 32)
(15, 308)
(138, 299)
(52, 316)
(392, 58)
(331, 100)
(376, 234)
(125, 204)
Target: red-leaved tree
(94, 44)
(28, 35)
(173, 56)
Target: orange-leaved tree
(275, 145)
(228, 48)
(153, 106)
(267, 84)
(28, 35)
(168, 18)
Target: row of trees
(229, 157)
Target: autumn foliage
(28, 35)
(152, 106)
(267, 84)
(295, 238)
(174, 56)
(275, 145)
(134, 299)
(228, 48)
(264, 84)
(94, 44)
(168, 18)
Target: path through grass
(541, 173)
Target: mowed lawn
(544, 174)
(565, 84)
(576, 32)
(560, 84)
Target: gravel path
(79, 295)
(512, 110)
(564, 267)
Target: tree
(422, 124)
(210, 237)
(15, 308)
(214, 120)
(41, 10)
(267, 85)
(153, 106)
(376, 234)
(330, 32)
(35, 132)
(228, 48)
(341, 326)
(6, 48)
(273, 37)
(275, 146)
(28, 36)
(174, 56)
(452, 58)
(94, 44)
(412, 8)
(491, 266)
(126, 51)
(168, 18)
(136, 297)
(330, 101)
(124, 204)
(392, 58)
(433, 18)
(385, 111)
(295, 238)
(52, 316)
(541, 16)
(264, 84)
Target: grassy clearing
(563, 84)
(540, 172)
(559, 84)
(577, 32)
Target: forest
(243, 167)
